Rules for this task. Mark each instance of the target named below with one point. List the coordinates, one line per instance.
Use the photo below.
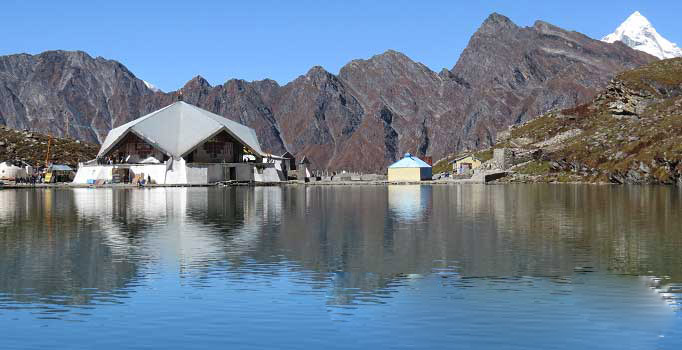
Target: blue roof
(409, 161)
(60, 167)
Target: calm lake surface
(385, 267)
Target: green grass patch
(664, 73)
(484, 155)
(534, 168)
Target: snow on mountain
(150, 86)
(638, 33)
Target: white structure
(11, 172)
(179, 144)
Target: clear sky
(169, 42)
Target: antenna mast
(47, 154)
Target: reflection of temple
(355, 241)
(47, 250)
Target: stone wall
(505, 158)
(502, 157)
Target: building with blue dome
(409, 168)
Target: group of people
(114, 159)
(31, 179)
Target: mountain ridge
(362, 118)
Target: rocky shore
(630, 133)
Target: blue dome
(408, 155)
(410, 162)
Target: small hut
(410, 168)
(288, 165)
(59, 173)
(465, 165)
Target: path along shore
(294, 182)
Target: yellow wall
(404, 174)
(475, 163)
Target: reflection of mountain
(357, 242)
(76, 246)
(362, 239)
(49, 255)
(622, 229)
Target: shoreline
(247, 184)
(312, 183)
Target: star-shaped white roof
(178, 128)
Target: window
(140, 146)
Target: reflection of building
(179, 144)
(358, 242)
(48, 250)
(409, 168)
(408, 202)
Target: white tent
(177, 129)
(179, 144)
(9, 171)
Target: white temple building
(180, 144)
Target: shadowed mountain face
(361, 119)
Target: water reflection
(354, 245)
(409, 202)
(50, 256)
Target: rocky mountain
(364, 118)
(629, 133)
(508, 74)
(638, 33)
(46, 92)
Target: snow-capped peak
(638, 33)
(151, 86)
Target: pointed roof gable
(410, 161)
(287, 155)
(178, 128)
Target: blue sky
(168, 42)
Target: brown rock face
(511, 74)
(42, 92)
(362, 119)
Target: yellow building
(409, 168)
(466, 165)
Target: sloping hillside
(629, 133)
(31, 147)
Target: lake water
(375, 267)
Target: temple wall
(178, 172)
